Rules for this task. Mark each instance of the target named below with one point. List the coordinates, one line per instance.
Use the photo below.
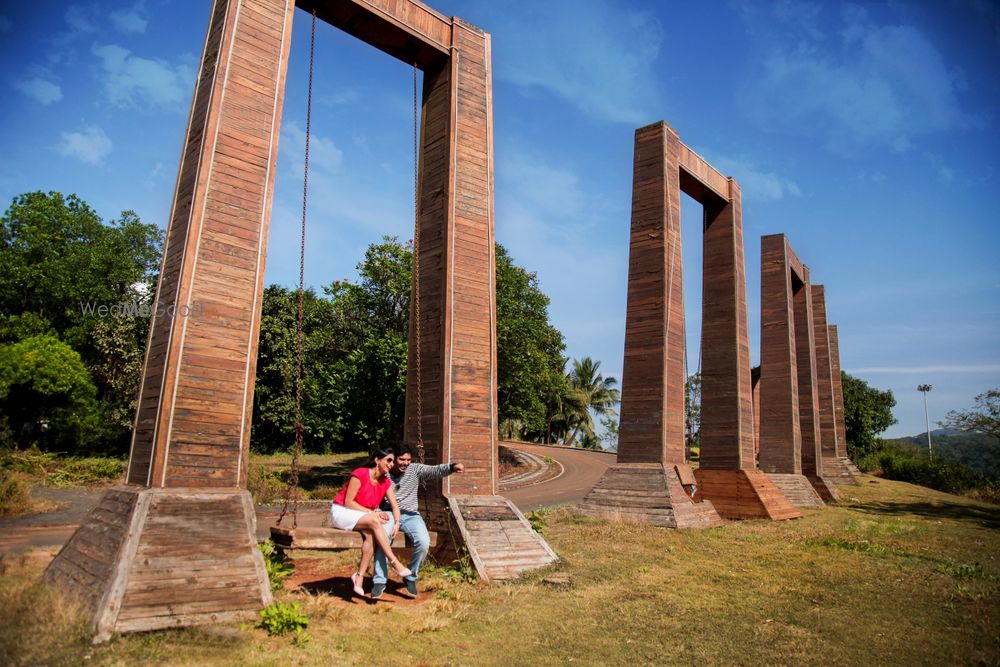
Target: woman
(355, 508)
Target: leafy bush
(50, 469)
(277, 564)
(48, 395)
(947, 476)
(537, 519)
(14, 495)
(280, 618)
(265, 484)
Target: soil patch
(320, 576)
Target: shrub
(49, 397)
(277, 564)
(280, 618)
(265, 484)
(15, 498)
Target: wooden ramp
(797, 489)
(500, 540)
(837, 471)
(826, 489)
(745, 494)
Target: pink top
(369, 495)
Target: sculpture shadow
(983, 516)
(341, 587)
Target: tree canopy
(75, 291)
(867, 412)
(983, 417)
(59, 265)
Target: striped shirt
(405, 486)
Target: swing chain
(293, 474)
(416, 275)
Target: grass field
(892, 575)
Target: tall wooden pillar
(177, 545)
(728, 471)
(651, 441)
(838, 392)
(651, 481)
(783, 279)
(805, 355)
(835, 468)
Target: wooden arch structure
(176, 545)
(652, 481)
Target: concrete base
(648, 493)
(797, 489)
(745, 494)
(146, 559)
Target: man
(406, 477)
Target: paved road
(582, 469)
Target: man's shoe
(377, 591)
(411, 587)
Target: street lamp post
(924, 388)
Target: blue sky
(867, 133)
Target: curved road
(582, 469)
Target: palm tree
(592, 392)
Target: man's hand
(459, 467)
(382, 516)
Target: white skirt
(344, 518)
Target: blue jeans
(413, 526)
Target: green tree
(692, 410)
(595, 394)
(372, 321)
(59, 264)
(47, 396)
(983, 417)
(530, 362)
(277, 361)
(867, 412)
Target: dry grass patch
(892, 575)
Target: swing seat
(304, 537)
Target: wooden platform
(500, 541)
(647, 493)
(146, 559)
(797, 489)
(837, 471)
(745, 494)
(310, 537)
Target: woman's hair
(379, 453)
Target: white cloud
(129, 20)
(756, 184)
(323, 153)
(868, 84)
(41, 90)
(130, 80)
(609, 76)
(90, 146)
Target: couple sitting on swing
(380, 500)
